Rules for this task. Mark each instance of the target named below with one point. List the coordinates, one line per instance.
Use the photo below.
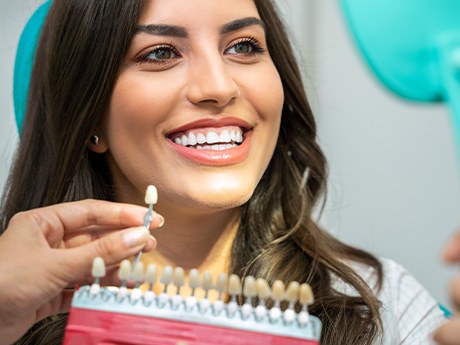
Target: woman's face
(196, 108)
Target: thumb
(112, 248)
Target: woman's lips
(213, 141)
(214, 153)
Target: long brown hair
(81, 48)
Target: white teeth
(239, 137)
(212, 140)
(184, 140)
(225, 137)
(200, 138)
(192, 139)
(212, 137)
(217, 147)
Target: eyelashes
(246, 46)
(160, 54)
(166, 53)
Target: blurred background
(394, 174)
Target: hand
(451, 252)
(48, 249)
(449, 333)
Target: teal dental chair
(24, 58)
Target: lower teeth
(216, 147)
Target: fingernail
(154, 240)
(161, 218)
(137, 236)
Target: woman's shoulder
(409, 313)
(395, 276)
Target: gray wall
(394, 186)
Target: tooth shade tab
(179, 278)
(124, 273)
(166, 276)
(278, 290)
(221, 284)
(138, 271)
(98, 269)
(249, 287)
(151, 195)
(206, 281)
(263, 289)
(306, 295)
(292, 292)
(234, 285)
(151, 274)
(193, 279)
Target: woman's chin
(220, 201)
(206, 199)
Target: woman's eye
(242, 48)
(160, 55)
(247, 46)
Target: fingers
(451, 252)
(150, 245)
(82, 214)
(455, 292)
(112, 248)
(449, 333)
(86, 215)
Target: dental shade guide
(151, 198)
(241, 311)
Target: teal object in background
(412, 46)
(24, 61)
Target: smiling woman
(204, 99)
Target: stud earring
(94, 139)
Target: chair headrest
(24, 60)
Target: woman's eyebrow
(241, 23)
(179, 31)
(163, 30)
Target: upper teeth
(211, 137)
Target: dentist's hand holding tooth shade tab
(54, 248)
(205, 100)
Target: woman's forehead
(196, 12)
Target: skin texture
(167, 82)
(449, 333)
(57, 245)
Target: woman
(204, 100)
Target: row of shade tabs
(229, 295)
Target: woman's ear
(97, 144)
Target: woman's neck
(195, 240)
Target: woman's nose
(211, 82)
